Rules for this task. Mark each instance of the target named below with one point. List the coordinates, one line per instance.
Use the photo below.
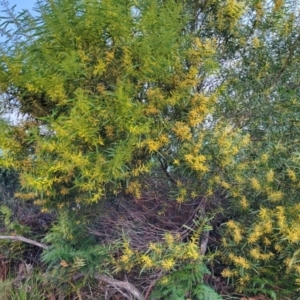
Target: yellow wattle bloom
(255, 184)
(147, 261)
(182, 131)
(292, 175)
(168, 264)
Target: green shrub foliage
(206, 91)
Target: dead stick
(116, 283)
(23, 239)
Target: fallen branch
(116, 283)
(23, 239)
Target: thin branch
(23, 239)
(164, 167)
(287, 62)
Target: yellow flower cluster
(182, 195)
(147, 261)
(168, 263)
(169, 238)
(235, 230)
(255, 184)
(25, 196)
(281, 219)
(160, 256)
(270, 176)
(134, 188)
(195, 118)
(196, 162)
(292, 175)
(99, 68)
(264, 213)
(267, 226)
(225, 185)
(140, 169)
(239, 261)
(275, 196)
(182, 131)
(155, 247)
(151, 110)
(293, 235)
(256, 254)
(192, 251)
(155, 145)
(127, 257)
(244, 202)
(242, 282)
(255, 234)
(226, 273)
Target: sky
(22, 4)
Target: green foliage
(106, 91)
(72, 249)
(8, 181)
(33, 286)
(10, 224)
(186, 282)
(6, 287)
(205, 91)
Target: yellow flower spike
(240, 261)
(275, 196)
(255, 253)
(192, 251)
(147, 261)
(169, 239)
(292, 175)
(125, 258)
(255, 184)
(255, 234)
(153, 146)
(267, 241)
(270, 176)
(293, 236)
(267, 226)
(264, 158)
(182, 131)
(168, 264)
(226, 273)
(244, 203)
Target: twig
(287, 62)
(23, 239)
(164, 167)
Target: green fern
(11, 225)
(204, 292)
(70, 242)
(187, 281)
